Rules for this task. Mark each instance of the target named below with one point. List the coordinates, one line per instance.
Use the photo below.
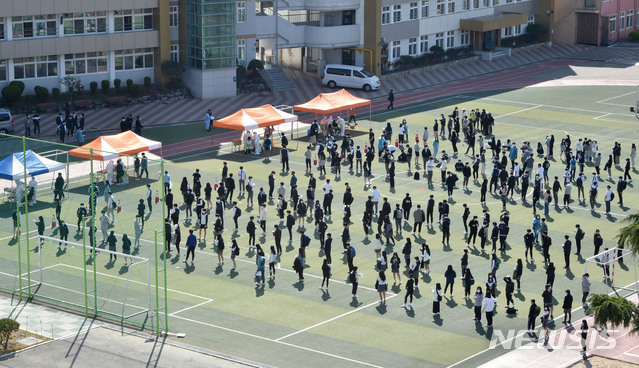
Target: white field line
(191, 307)
(519, 111)
(332, 319)
(605, 100)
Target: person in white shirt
(34, 184)
(263, 216)
(328, 186)
(430, 166)
(540, 171)
(241, 177)
(437, 297)
(489, 307)
(579, 146)
(608, 198)
(595, 180)
(376, 194)
(281, 191)
(110, 209)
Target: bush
(634, 35)
(55, 92)
(93, 86)
(255, 64)
(135, 90)
(452, 53)
(42, 93)
(129, 83)
(11, 93)
(116, 84)
(7, 326)
(18, 84)
(105, 86)
(240, 71)
(147, 81)
(535, 29)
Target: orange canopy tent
(327, 103)
(108, 147)
(254, 118)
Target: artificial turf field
(293, 324)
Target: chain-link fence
(107, 214)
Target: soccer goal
(608, 262)
(70, 275)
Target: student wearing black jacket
(472, 234)
(407, 204)
(277, 235)
(567, 307)
(250, 229)
(328, 245)
(579, 236)
(529, 241)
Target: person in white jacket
(263, 216)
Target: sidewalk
(83, 342)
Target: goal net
(69, 274)
(603, 267)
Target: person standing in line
(437, 298)
(262, 218)
(583, 331)
(608, 197)
(36, 125)
(550, 274)
(326, 274)
(517, 272)
(418, 218)
(178, 237)
(406, 251)
(489, 307)
(219, 249)
(585, 288)
(567, 307)
(168, 231)
(566, 247)
(395, 265)
(598, 242)
(425, 259)
(111, 206)
(414, 269)
(547, 298)
(235, 251)
(544, 324)
(381, 287)
(450, 276)
(272, 260)
(112, 241)
(261, 269)
(464, 263)
(353, 278)
(391, 100)
(621, 186)
(250, 229)
(579, 235)
(510, 289)
(533, 312)
(477, 304)
(409, 290)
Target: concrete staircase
(276, 79)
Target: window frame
(174, 16)
(441, 7)
(413, 11)
(98, 59)
(34, 65)
(423, 44)
(450, 39)
(241, 44)
(241, 12)
(128, 59)
(49, 24)
(175, 52)
(82, 22)
(396, 49)
(612, 24)
(386, 15)
(412, 46)
(397, 13)
(439, 39)
(424, 9)
(131, 20)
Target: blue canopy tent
(12, 167)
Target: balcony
(332, 37)
(323, 5)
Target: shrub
(535, 29)
(105, 86)
(147, 81)
(135, 90)
(11, 93)
(116, 84)
(129, 83)
(255, 64)
(240, 71)
(7, 326)
(174, 70)
(42, 93)
(18, 84)
(93, 86)
(634, 35)
(452, 53)
(55, 92)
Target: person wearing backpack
(533, 312)
(621, 186)
(111, 206)
(351, 256)
(235, 251)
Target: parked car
(338, 75)
(6, 122)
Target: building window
(630, 18)
(35, 67)
(531, 19)
(241, 11)
(465, 4)
(509, 1)
(3, 70)
(173, 16)
(412, 46)
(91, 62)
(508, 32)
(34, 26)
(439, 39)
(175, 52)
(475, 4)
(465, 38)
(612, 24)
(385, 14)
(486, 3)
(424, 8)
(622, 20)
(423, 44)
(413, 14)
(397, 13)
(518, 29)
(134, 59)
(451, 7)
(396, 49)
(133, 20)
(441, 7)
(1, 30)
(495, 2)
(81, 23)
(241, 49)
(450, 39)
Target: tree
(93, 86)
(614, 311)
(116, 83)
(11, 93)
(7, 326)
(629, 235)
(105, 86)
(73, 84)
(174, 70)
(42, 93)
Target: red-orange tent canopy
(255, 117)
(328, 103)
(108, 147)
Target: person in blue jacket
(261, 269)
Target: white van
(338, 75)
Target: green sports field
(293, 324)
